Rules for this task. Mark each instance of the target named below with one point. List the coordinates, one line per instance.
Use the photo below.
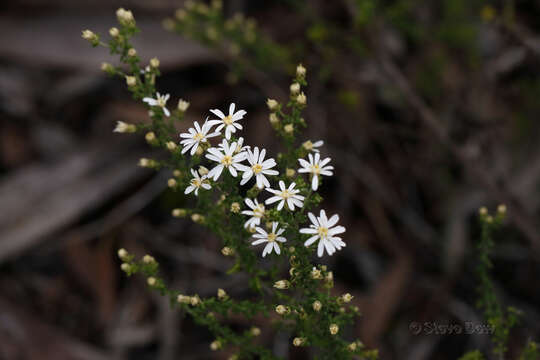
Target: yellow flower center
(315, 169)
(198, 136)
(259, 211)
(227, 160)
(161, 102)
(228, 120)
(286, 194)
(257, 168)
(272, 237)
(323, 232)
(196, 182)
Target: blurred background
(429, 110)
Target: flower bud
(273, 119)
(177, 173)
(122, 127)
(125, 267)
(255, 331)
(308, 145)
(171, 146)
(282, 310)
(154, 62)
(132, 52)
(290, 172)
(227, 251)
(316, 274)
(114, 32)
(282, 284)
(288, 128)
(179, 212)
(215, 345)
(221, 294)
(299, 341)
(131, 81)
(106, 67)
(203, 170)
(150, 137)
(317, 305)
(183, 299)
(197, 218)
(489, 219)
(329, 277)
(148, 259)
(295, 88)
(352, 346)
(122, 254)
(125, 17)
(272, 104)
(334, 329)
(151, 281)
(195, 300)
(501, 209)
(301, 98)
(171, 183)
(90, 36)
(300, 71)
(146, 163)
(483, 211)
(346, 298)
(183, 105)
(235, 208)
(199, 151)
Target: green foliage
(531, 351)
(499, 319)
(218, 209)
(472, 355)
(236, 38)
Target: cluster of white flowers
(230, 155)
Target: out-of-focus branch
(477, 170)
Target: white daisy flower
(229, 121)
(271, 239)
(259, 167)
(312, 146)
(225, 158)
(196, 183)
(315, 167)
(195, 136)
(256, 213)
(324, 230)
(286, 195)
(160, 100)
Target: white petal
(311, 240)
(315, 182)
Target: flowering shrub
(247, 198)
